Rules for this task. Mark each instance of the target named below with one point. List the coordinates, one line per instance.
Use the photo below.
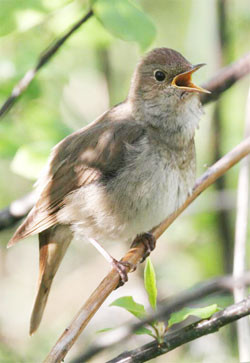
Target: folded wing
(83, 157)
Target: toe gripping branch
(149, 241)
(123, 267)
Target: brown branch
(226, 78)
(186, 334)
(200, 291)
(43, 59)
(134, 255)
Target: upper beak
(184, 81)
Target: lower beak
(184, 82)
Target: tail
(53, 244)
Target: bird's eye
(159, 76)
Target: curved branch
(187, 334)
(134, 255)
(226, 78)
(43, 59)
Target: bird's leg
(149, 241)
(120, 266)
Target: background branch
(243, 329)
(166, 307)
(18, 209)
(43, 59)
(187, 334)
(134, 255)
(223, 217)
(226, 78)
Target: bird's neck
(176, 121)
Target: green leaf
(30, 160)
(143, 330)
(104, 330)
(125, 20)
(150, 283)
(128, 303)
(203, 313)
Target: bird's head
(163, 80)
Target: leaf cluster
(157, 329)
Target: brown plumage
(124, 173)
(88, 155)
(53, 244)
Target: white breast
(138, 199)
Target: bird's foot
(149, 241)
(121, 267)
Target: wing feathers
(80, 159)
(33, 224)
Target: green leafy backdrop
(90, 73)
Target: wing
(81, 158)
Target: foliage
(128, 303)
(183, 314)
(150, 283)
(125, 20)
(157, 329)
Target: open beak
(184, 81)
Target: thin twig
(243, 328)
(217, 285)
(226, 78)
(43, 59)
(186, 334)
(134, 255)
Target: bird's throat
(175, 121)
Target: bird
(121, 175)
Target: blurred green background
(89, 74)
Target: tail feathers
(39, 306)
(53, 244)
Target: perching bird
(121, 175)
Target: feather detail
(53, 244)
(84, 157)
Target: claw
(121, 268)
(149, 241)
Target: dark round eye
(160, 76)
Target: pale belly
(133, 203)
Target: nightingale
(123, 174)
